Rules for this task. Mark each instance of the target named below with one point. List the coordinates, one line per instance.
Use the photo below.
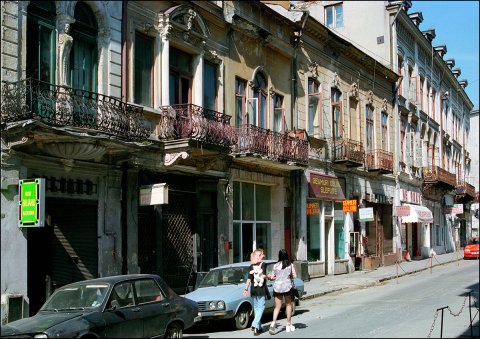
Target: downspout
(124, 164)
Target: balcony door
(83, 65)
(181, 76)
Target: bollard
(441, 323)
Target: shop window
(314, 245)
(339, 232)
(251, 220)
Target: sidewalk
(317, 287)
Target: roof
(115, 278)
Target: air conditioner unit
(14, 307)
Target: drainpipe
(124, 183)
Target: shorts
(282, 294)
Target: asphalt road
(409, 307)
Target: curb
(373, 283)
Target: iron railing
(64, 106)
(380, 160)
(195, 122)
(437, 174)
(272, 145)
(348, 150)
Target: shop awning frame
(418, 214)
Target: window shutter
(408, 149)
(418, 153)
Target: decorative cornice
(171, 158)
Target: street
(403, 308)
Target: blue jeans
(258, 308)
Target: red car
(471, 251)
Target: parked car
(220, 294)
(471, 251)
(123, 306)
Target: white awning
(418, 214)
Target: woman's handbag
(294, 292)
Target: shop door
(207, 257)
(416, 250)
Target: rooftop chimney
(450, 63)
(429, 34)
(441, 50)
(463, 83)
(456, 71)
(416, 17)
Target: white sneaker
(290, 328)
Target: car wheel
(242, 318)
(174, 330)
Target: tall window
(240, 100)
(334, 16)
(314, 236)
(314, 107)
(209, 86)
(353, 119)
(421, 94)
(260, 93)
(434, 97)
(339, 233)
(427, 101)
(251, 220)
(402, 141)
(278, 113)
(384, 131)
(181, 75)
(369, 127)
(143, 93)
(412, 86)
(41, 41)
(401, 72)
(337, 114)
(83, 56)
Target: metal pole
(470, 311)
(441, 324)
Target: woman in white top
(283, 272)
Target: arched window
(84, 53)
(369, 127)
(41, 41)
(260, 93)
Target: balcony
(380, 161)
(439, 177)
(61, 106)
(464, 192)
(258, 145)
(188, 121)
(348, 152)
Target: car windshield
(474, 241)
(225, 276)
(76, 297)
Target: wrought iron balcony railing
(380, 160)
(437, 174)
(195, 122)
(349, 151)
(273, 145)
(65, 106)
(463, 188)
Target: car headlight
(216, 305)
(41, 335)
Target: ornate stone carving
(384, 105)
(251, 84)
(313, 68)
(336, 81)
(65, 42)
(354, 90)
(370, 98)
(171, 158)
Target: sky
(456, 26)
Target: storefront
(327, 251)
(415, 230)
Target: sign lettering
(326, 187)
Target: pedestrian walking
(283, 272)
(258, 290)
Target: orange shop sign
(313, 208)
(350, 205)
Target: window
(83, 56)
(314, 118)
(260, 93)
(353, 118)
(384, 131)
(369, 127)
(181, 75)
(339, 233)
(143, 70)
(334, 16)
(402, 141)
(147, 291)
(420, 94)
(251, 219)
(337, 114)
(401, 73)
(240, 100)
(278, 114)
(314, 236)
(122, 296)
(209, 86)
(434, 94)
(412, 86)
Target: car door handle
(136, 309)
(166, 305)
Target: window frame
(337, 113)
(336, 16)
(240, 95)
(151, 41)
(312, 85)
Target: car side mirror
(114, 305)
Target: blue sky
(456, 26)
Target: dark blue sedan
(123, 306)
